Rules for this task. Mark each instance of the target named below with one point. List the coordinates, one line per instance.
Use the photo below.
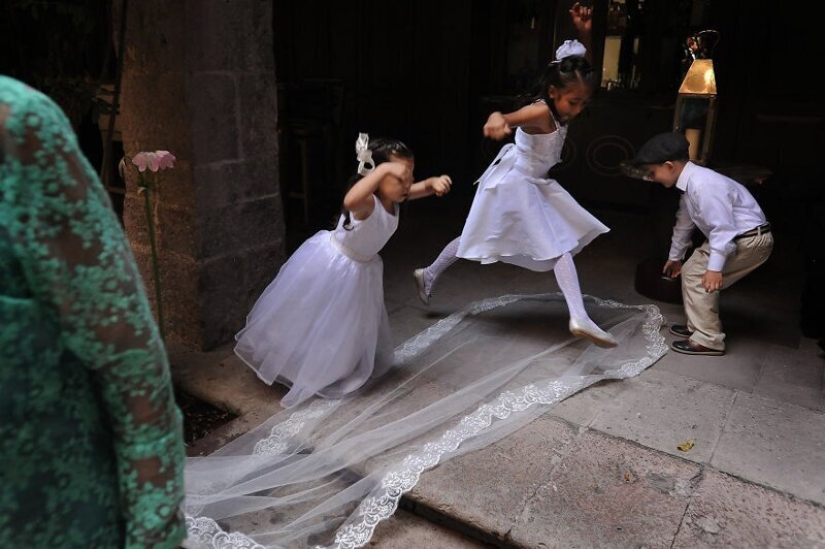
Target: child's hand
(582, 18)
(497, 127)
(440, 185)
(672, 268)
(712, 281)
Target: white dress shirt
(719, 207)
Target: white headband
(570, 47)
(363, 154)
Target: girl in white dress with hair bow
(519, 215)
(321, 326)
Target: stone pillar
(199, 81)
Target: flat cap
(662, 148)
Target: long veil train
(326, 473)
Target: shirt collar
(684, 177)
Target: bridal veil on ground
(326, 473)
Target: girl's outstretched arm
(531, 118)
(438, 186)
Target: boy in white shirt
(738, 237)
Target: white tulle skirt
(321, 326)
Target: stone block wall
(199, 81)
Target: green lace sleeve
(73, 258)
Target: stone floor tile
(662, 410)
(405, 530)
(774, 444)
(490, 487)
(738, 369)
(793, 376)
(728, 512)
(608, 493)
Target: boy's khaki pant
(701, 307)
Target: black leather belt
(761, 229)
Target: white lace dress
(321, 326)
(521, 216)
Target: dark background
(429, 72)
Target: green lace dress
(91, 443)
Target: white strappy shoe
(588, 330)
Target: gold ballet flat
(588, 330)
(418, 275)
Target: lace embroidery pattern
(88, 421)
(282, 435)
(402, 478)
(395, 483)
(205, 533)
(280, 441)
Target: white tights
(565, 271)
(568, 281)
(446, 258)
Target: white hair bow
(570, 47)
(364, 154)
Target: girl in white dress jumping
(321, 326)
(519, 215)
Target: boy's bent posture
(738, 237)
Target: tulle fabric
(321, 327)
(325, 473)
(324, 334)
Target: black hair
(573, 69)
(383, 149)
